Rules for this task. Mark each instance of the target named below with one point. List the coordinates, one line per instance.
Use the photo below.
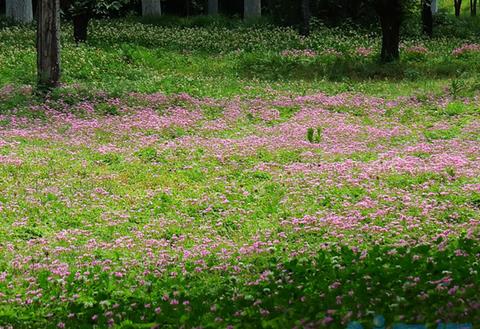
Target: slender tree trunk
(458, 6)
(20, 11)
(434, 6)
(151, 8)
(213, 7)
(48, 43)
(80, 27)
(306, 15)
(473, 7)
(390, 14)
(187, 7)
(252, 8)
(427, 17)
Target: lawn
(239, 177)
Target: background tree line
(297, 13)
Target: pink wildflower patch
(363, 51)
(465, 49)
(299, 53)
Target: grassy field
(239, 177)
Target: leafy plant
(314, 136)
(456, 87)
(98, 7)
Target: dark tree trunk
(390, 14)
(458, 7)
(427, 17)
(306, 15)
(80, 27)
(48, 43)
(473, 7)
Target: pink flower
(417, 50)
(299, 53)
(327, 320)
(466, 48)
(364, 52)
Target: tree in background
(82, 11)
(212, 7)
(48, 43)
(390, 13)
(151, 8)
(306, 16)
(473, 7)
(21, 11)
(252, 8)
(458, 6)
(427, 17)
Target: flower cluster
(363, 51)
(465, 49)
(418, 49)
(299, 53)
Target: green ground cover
(239, 177)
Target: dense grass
(209, 173)
(221, 61)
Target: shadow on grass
(384, 280)
(277, 67)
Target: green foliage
(102, 8)
(314, 136)
(288, 12)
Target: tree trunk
(306, 15)
(20, 11)
(80, 27)
(458, 7)
(151, 8)
(187, 7)
(390, 14)
(427, 17)
(473, 7)
(434, 6)
(213, 7)
(252, 8)
(48, 43)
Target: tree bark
(187, 7)
(80, 27)
(390, 14)
(427, 17)
(306, 15)
(48, 43)
(434, 6)
(458, 6)
(213, 7)
(473, 7)
(21, 11)
(252, 8)
(151, 8)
